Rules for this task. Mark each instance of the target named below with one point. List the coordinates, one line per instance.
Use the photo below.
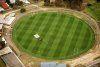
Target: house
(12, 1)
(9, 19)
(5, 5)
(2, 20)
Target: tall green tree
(74, 4)
(58, 2)
(46, 2)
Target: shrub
(22, 10)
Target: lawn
(63, 36)
(94, 11)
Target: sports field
(63, 36)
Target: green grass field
(64, 36)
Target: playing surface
(63, 36)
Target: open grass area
(94, 11)
(63, 36)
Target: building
(8, 56)
(1, 10)
(5, 5)
(12, 1)
(52, 64)
(25, 1)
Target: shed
(52, 64)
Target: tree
(2, 44)
(35, 1)
(19, 3)
(14, 6)
(74, 4)
(58, 2)
(46, 2)
(22, 10)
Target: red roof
(4, 5)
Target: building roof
(9, 20)
(36, 36)
(5, 5)
(2, 20)
(12, 60)
(61, 65)
(1, 9)
(25, 1)
(5, 50)
(52, 64)
(12, 1)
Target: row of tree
(74, 4)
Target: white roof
(61, 65)
(5, 51)
(1, 9)
(1, 26)
(25, 1)
(52, 64)
(9, 20)
(36, 36)
(12, 1)
(12, 15)
(48, 64)
(2, 20)
(3, 39)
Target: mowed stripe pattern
(64, 36)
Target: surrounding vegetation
(2, 64)
(94, 11)
(63, 36)
(73, 4)
(22, 10)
